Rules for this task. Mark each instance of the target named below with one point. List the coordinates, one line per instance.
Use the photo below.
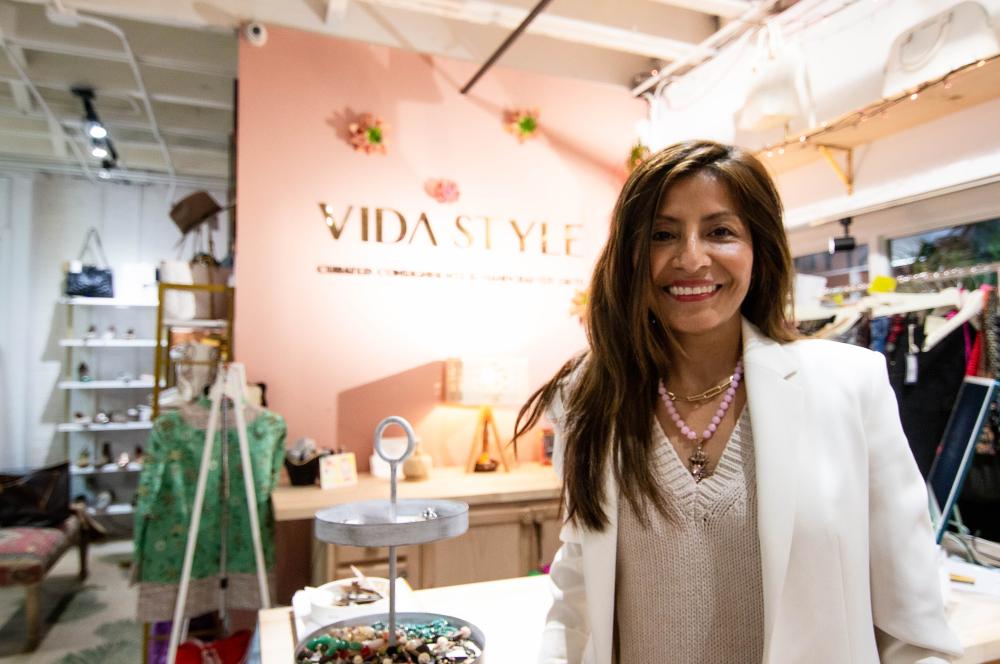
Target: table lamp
(486, 382)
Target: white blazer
(850, 570)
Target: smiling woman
(742, 454)
(701, 257)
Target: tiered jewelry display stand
(393, 523)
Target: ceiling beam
(723, 8)
(22, 98)
(335, 11)
(37, 131)
(548, 25)
(74, 50)
(72, 119)
(18, 89)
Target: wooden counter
(527, 482)
(512, 612)
(513, 529)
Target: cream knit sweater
(689, 586)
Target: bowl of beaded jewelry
(421, 638)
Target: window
(958, 246)
(843, 268)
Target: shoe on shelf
(129, 333)
(123, 460)
(132, 414)
(104, 499)
(91, 332)
(83, 460)
(101, 417)
(118, 417)
(110, 333)
(106, 459)
(83, 373)
(80, 418)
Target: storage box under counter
(513, 529)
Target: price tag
(911, 355)
(911, 369)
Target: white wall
(15, 222)
(42, 225)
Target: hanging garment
(979, 502)
(858, 334)
(165, 504)
(925, 405)
(879, 333)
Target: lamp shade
(476, 381)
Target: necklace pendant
(699, 464)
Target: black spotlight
(846, 242)
(101, 147)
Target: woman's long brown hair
(610, 400)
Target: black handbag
(38, 498)
(92, 280)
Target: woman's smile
(692, 290)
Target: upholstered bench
(26, 556)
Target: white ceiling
(186, 52)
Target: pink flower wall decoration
(522, 122)
(368, 134)
(442, 190)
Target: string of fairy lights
(878, 111)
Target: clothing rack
(924, 277)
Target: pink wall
(340, 351)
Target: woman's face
(701, 256)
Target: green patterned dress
(165, 505)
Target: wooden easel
(230, 382)
(485, 437)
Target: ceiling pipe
(511, 38)
(61, 15)
(707, 48)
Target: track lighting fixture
(96, 133)
(846, 242)
(95, 129)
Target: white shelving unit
(196, 323)
(73, 427)
(116, 509)
(107, 343)
(107, 302)
(106, 353)
(105, 384)
(106, 470)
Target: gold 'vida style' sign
(390, 226)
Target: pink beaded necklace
(698, 461)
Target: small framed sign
(338, 470)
